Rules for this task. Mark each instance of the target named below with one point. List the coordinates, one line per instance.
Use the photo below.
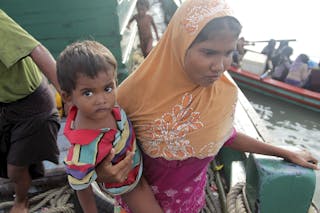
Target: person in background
(269, 52)
(182, 104)
(144, 22)
(28, 134)
(281, 70)
(168, 7)
(276, 57)
(299, 71)
(313, 82)
(96, 124)
(240, 51)
(282, 44)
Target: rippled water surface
(287, 123)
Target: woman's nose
(218, 64)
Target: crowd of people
(301, 72)
(165, 122)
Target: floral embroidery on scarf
(172, 129)
(211, 148)
(202, 10)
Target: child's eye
(108, 89)
(87, 93)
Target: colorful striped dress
(89, 147)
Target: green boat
(237, 182)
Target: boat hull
(277, 89)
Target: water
(287, 123)
(263, 20)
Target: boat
(249, 75)
(259, 183)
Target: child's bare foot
(20, 207)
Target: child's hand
(107, 172)
(304, 158)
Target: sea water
(287, 123)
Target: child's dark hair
(143, 3)
(87, 58)
(218, 24)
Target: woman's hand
(303, 158)
(107, 172)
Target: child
(144, 22)
(95, 124)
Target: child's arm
(130, 21)
(141, 199)
(87, 201)
(154, 28)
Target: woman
(299, 71)
(182, 105)
(281, 70)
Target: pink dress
(178, 185)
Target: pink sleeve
(232, 137)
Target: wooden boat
(259, 183)
(270, 184)
(248, 76)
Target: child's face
(205, 62)
(95, 97)
(142, 9)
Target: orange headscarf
(173, 117)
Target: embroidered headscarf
(173, 117)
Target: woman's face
(206, 61)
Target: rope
(53, 201)
(222, 195)
(236, 199)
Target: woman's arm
(107, 172)
(130, 21)
(246, 143)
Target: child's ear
(66, 97)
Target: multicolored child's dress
(89, 147)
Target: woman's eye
(108, 89)
(209, 52)
(88, 93)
